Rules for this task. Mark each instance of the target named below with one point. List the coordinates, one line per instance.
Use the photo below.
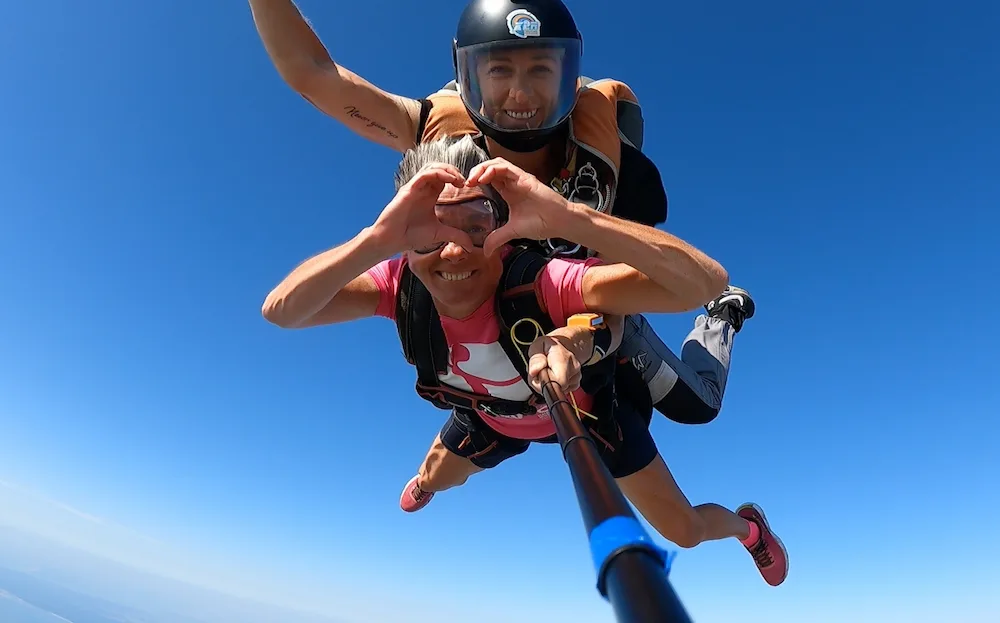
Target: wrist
(574, 339)
(599, 336)
(575, 222)
(377, 240)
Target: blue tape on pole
(617, 533)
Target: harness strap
(426, 348)
(425, 345)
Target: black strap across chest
(426, 348)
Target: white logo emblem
(523, 24)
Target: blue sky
(157, 179)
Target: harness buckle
(562, 248)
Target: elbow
(273, 312)
(300, 79)
(718, 279)
(705, 289)
(270, 313)
(305, 78)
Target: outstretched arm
(305, 65)
(657, 271)
(330, 287)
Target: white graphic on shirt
(485, 369)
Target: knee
(689, 532)
(699, 413)
(655, 495)
(684, 406)
(702, 414)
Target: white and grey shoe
(734, 305)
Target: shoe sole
(767, 526)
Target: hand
(534, 207)
(409, 221)
(549, 353)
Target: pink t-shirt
(477, 362)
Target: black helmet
(517, 66)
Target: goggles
(478, 217)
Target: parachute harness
(539, 333)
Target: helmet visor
(513, 86)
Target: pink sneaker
(768, 553)
(414, 498)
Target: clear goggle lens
(477, 217)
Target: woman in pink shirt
(439, 228)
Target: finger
(496, 171)
(501, 176)
(478, 170)
(502, 164)
(536, 364)
(559, 372)
(535, 382)
(473, 178)
(573, 371)
(439, 176)
(440, 166)
(481, 177)
(425, 184)
(451, 169)
(573, 383)
(538, 346)
(557, 364)
(451, 176)
(498, 238)
(571, 360)
(436, 175)
(572, 368)
(507, 185)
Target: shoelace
(418, 493)
(761, 554)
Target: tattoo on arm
(354, 113)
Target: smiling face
(520, 86)
(459, 280)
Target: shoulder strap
(628, 111)
(425, 111)
(419, 327)
(517, 300)
(426, 348)
(630, 123)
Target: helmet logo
(523, 24)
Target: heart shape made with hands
(531, 205)
(466, 215)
